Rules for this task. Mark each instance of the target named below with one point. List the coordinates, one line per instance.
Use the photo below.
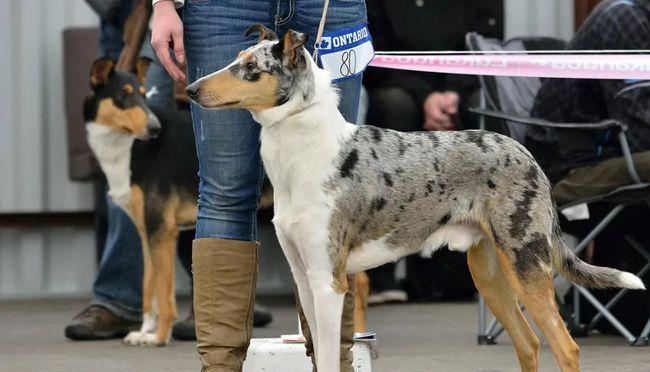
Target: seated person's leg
(601, 178)
(116, 305)
(394, 108)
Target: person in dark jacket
(408, 100)
(583, 163)
(412, 101)
(587, 163)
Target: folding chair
(507, 102)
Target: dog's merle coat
(405, 186)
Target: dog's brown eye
(250, 66)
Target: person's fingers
(451, 98)
(179, 50)
(166, 60)
(162, 51)
(437, 114)
(450, 103)
(431, 124)
(449, 125)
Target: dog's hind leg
(361, 293)
(534, 288)
(495, 289)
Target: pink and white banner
(572, 66)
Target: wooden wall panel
(539, 18)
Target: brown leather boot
(347, 329)
(224, 273)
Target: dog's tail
(584, 274)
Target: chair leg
(606, 313)
(599, 228)
(643, 338)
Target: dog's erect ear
(291, 42)
(265, 33)
(101, 70)
(141, 67)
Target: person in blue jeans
(208, 35)
(116, 306)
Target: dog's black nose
(154, 131)
(192, 90)
(153, 126)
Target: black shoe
(261, 316)
(185, 331)
(98, 323)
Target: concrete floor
(413, 338)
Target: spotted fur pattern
(405, 186)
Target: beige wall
(33, 160)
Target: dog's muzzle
(193, 90)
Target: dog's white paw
(137, 338)
(134, 338)
(151, 340)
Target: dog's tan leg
(361, 293)
(495, 289)
(163, 257)
(538, 296)
(136, 212)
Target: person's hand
(167, 33)
(438, 108)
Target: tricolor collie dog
(349, 198)
(149, 160)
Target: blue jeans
(118, 285)
(227, 142)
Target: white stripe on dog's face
(261, 77)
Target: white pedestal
(274, 355)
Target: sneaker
(98, 323)
(387, 296)
(185, 331)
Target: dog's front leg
(149, 306)
(299, 272)
(328, 304)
